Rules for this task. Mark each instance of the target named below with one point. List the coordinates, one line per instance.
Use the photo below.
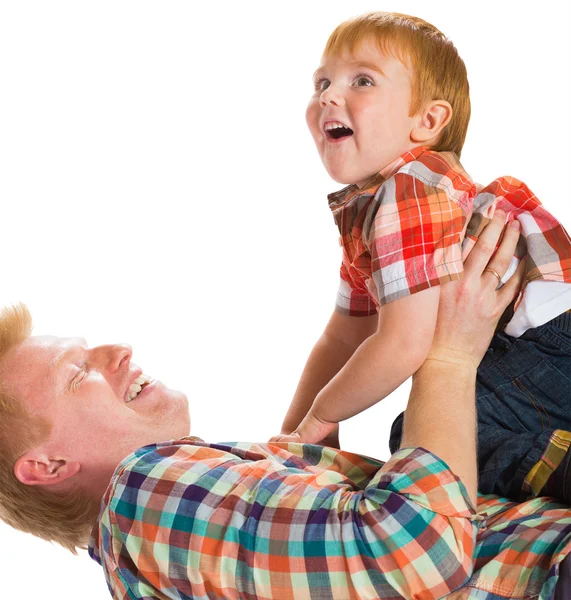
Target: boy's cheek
(312, 118)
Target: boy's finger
(285, 438)
(486, 244)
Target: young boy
(389, 117)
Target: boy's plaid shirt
(186, 519)
(410, 226)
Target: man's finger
(512, 287)
(506, 250)
(486, 244)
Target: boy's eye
(362, 81)
(322, 84)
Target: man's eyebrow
(56, 362)
(60, 358)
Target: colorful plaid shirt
(410, 226)
(186, 519)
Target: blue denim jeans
(523, 393)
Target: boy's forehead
(366, 53)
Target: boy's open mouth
(335, 130)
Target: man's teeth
(136, 387)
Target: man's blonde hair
(65, 519)
(438, 71)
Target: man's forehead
(47, 344)
(42, 352)
(30, 370)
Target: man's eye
(321, 84)
(76, 381)
(363, 81)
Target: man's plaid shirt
(409, 228)
(186, 519)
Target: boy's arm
(380, 364)
(341, 337)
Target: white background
(158, 186)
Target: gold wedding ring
(493, 273)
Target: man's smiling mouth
(137, 387)
(334, 130)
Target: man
(187, 519)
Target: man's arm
(440, 415)
(342, 335)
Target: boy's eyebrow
(317, 72)
(358, 64)
(369, 65)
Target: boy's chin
(351, 181)
(340, 178)
(359, 179)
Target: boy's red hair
(438, 71)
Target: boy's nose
(331, 96)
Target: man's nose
(112, 356)
(331, 96)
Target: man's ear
(36, 468)
(431, 121)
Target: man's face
(83, 392)
(369, 94)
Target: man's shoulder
(174, 459)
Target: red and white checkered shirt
(409, 228)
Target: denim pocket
(559, 338)
(544, 395)
(535, 399)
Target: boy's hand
(311, 431)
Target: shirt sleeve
(415, 238)
(352, 300)
(410, 533)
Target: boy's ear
(431, 121)
(38, 469)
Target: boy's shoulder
(441, 170)
(438, 169)
(433, 170)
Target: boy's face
(369, 95)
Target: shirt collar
(94, 548)
(337, 199)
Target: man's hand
(471, 307)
